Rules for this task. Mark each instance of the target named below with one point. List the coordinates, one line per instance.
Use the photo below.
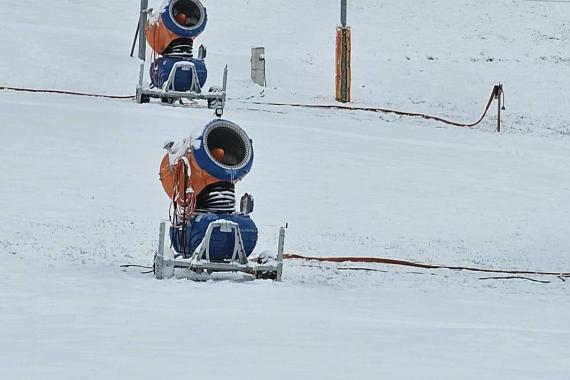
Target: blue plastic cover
(221, 243)
(161, 68)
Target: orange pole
(343, 70)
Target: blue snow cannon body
(186, 240)
(161, 68)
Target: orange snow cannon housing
(177, 19)
(221, 153)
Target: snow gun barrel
(221, 153)
(175, 20)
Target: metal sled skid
(216, 99)
(199, 263)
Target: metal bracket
(226, 226)
(165, 264)
(182, 65)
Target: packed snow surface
(79, 196)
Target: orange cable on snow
(497, 91)
(406, 263)
(64, 92)
(495, 94)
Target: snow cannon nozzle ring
(186, 18)
(177, 19)
(225, 150)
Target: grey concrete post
(258, 66)
(142, 24)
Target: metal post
(280, 249)
(499, 114)
(159, 257)
(142, 48)
(224, 87)
(142, 24)
(499, 96)
(343, 4)
(136, 37)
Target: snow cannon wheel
(167, 100)
(266, 276)
(142, 98)
(217, 102)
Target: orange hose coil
(173, 181)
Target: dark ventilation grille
(232, 143)
(191, 11)
(180, 47)
(218, 197)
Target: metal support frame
(225, 226)
(216, 97)
(199, 262)
(499, 96)
(184, 66)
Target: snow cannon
(176, 73)
(177, 23)
(170, 33)
(206, 232)
(199, 175)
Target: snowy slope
(439, 56)
(88, 322)
(79, 195)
